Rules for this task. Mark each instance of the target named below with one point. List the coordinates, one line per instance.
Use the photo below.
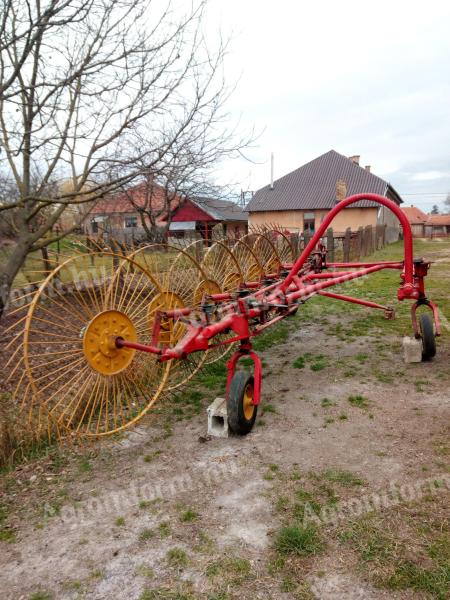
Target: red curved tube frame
(407, 238)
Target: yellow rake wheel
(222, 267)
(180, 278)
(282, 245)
(248, 261)
(265, 251)
(76, 373)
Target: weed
(298, 540)
(165, 594)
(120, 521)
(6, 535)
(164, 529)
(319, 364)
(359, 401)
(146, 534)
(345, 478)
(176, 557)
(41, 596)
(326, 402)
(144, 571)
(84, 465)
(299, 363)
(188, 515)
(343, 417)
(234, 569)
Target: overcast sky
(357, 77)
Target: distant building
(300, 200)
(427, 226)
(119, 216)
(205, 215)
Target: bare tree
(447, 202)
(97, 93)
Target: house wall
(293, 219)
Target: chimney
(367, 168)
(341, 190)
(355, 159)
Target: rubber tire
(237, 421)
(427, 336)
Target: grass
(176, 557)
(326, 403)
(299, 363)
(165, 593)
(120, 521)
(345, 478)
(164, 529)
(41, 596)
(407, 548)
(298, 540)
(358, 401)
(188, 516)
(146, 534)
(233, 570)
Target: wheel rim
(179, 275)
(247, 401)
(69, 327)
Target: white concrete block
(217, 418)
(412, 350)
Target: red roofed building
(423, 225)
(119, 216)
(204, 214)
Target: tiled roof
(120, 203)
(438, 219)
(313, 186)
(415, 215)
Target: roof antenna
(271, 170)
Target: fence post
(295, 244)
(199, 252)
(347, 240)
(330, 245)
(306, 236)
(359, 242)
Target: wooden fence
(346, 246)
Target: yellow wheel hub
(247, 401)
(170, 331)
(207, 286)
(99, 342)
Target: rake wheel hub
(99, 345)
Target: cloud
(429, 175)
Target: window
(130, 221)
(308, 222)
(94, 226)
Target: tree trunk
(8, 272)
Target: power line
(425, 194)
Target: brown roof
(313, 186)
(415, 215)
(438, 219)
(120, 203)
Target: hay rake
(99, 346)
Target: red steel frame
(254, 308)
